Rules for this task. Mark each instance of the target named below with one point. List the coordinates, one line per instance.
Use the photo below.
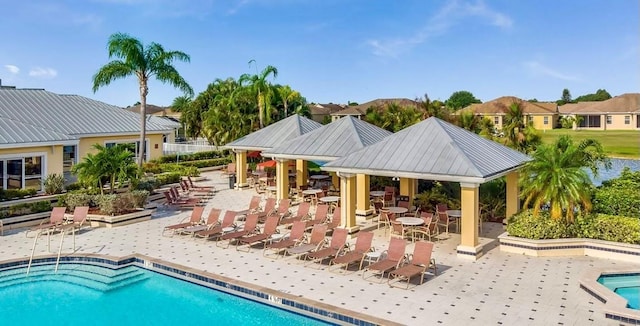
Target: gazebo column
(363, 207)
(335, 180)
(513, 192)
(408, 188)
(241, 169)
(469, 247)
(282, 179)
(348, 201)
(301, 173)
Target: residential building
(543, 115)
(321, 111)
(43, 133)
(617, 113)
(360, 110)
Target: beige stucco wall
(617, 122)
(52, 161)
(86, 144)
(538, 121)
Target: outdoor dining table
(376, 193)
(330, 200)
(319, 177)
(457, 214)
(410, 222)
(311, 191)
(396, 210)
(272, 189)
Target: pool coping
(265, 295)
(615, 306)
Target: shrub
(148, 184)
(167, 178)
(54, 184)
(106, 203)
(208, 163)
(138, 198)
(194, 156)
(26, 208)
(526, 225)
(619, 196)
(9, 194)
(75, 186)
(75, 199)
(616, 228)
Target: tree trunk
(143, 121)
(260, 109)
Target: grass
(617, 143)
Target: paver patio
(499, 288)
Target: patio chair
(292, 239)
(336, 246)
(194, 186)
(173, 199)
(428, 230)
(385, 219)
(269, 209)
(215, 231)
(270, 228)
(56, 218)
(443, 218)
(250, 227)
(398, 230)
(212, 220)
(395, 257)
(316, 241)
(320, 215)
(419, 262)
(336, 220)
(254, 206)
(195, 219)
(389, 199)
(283, 208)
(363, 246)
(80, 214)
(302, 213)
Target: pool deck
(498, 289)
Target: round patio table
(311, 191)
(455, 213)
(396, 210)
(410, 221)
(330, 199)
(319, 177)
(376, 193)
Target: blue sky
(335, 50)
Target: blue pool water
(626, 286)
(617, 165)
(90, 295)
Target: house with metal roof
(44, 133)
(543, 115)
(621, 112)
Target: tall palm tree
(263, 90)
(132, 58)
(287, 95)
(110, 164)
(556, 176)
(519, 134)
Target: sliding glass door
(14, 168)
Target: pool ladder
(63, 229)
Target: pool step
(93, 277)
(613, 283)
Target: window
(496, 120)
(33, 172)
(22, 172)
(546, 120)
(68, 158)
(134, 147)
(627, 119)
(608, 119)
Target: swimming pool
(94, 295)
(626, 286)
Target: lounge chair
(270, 228)
(320, 215)
(217, 230)
(363, 246)
(294, 238)
(302, 213)
(197, 187)
(250, 226)
(197, 193)
(55, 219)
(254, 206)
(196, 217)
(395, 257)
(173, 201)
(336, 220)
(269, 209)
(316, 241)
(212, 220)
(336, 246)
(419, 263)
(184, 197)
(283, 208)
(80, 214)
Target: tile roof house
(320, 111)
(621, 112)
(44, 133)
(543, 115)
(360, 110)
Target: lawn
(617, 143)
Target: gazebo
(437, 150)
(267, 138)
(325, 144)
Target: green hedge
(25, 209)
(207, 163)
(619, 196)
(194, 156)
(595, 226)
(9, 194)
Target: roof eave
(39, 144)
(316, 158)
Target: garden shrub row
(9, 194)
(25, 209)
(108, 204)
(619, 196)
(194, 156)
(592, 226)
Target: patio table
(396, 210)
(457, 214)
(332, 200)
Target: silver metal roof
(436, 150)
(72, 115)
(330, 142)
(275, 134)
(16, 133)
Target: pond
(617, 165)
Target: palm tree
(134, 59)
(112, 164)
(556, 176)
(519, 134)
(287, 95)
(262, 88)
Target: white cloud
(450, 15)
(40, 72)
(12, 69)
(536, 68)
